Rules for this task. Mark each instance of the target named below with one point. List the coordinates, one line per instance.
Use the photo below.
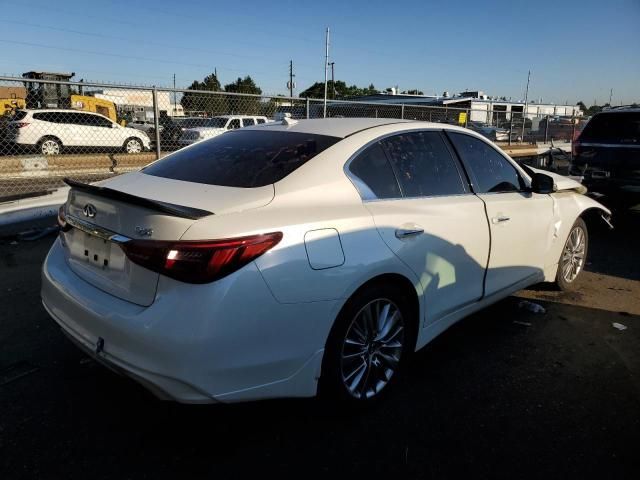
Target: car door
(426, 214)
(103, 132)
(520, 221)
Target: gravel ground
(506, 393)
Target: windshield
(242, 158)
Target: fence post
(307, 108)
(510, 128)
(573, 133)
(156, 121)
(546, 130)
(402, 111)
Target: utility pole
(333, 81)
(610, 97)
(526, 98)
(291, 85)
(326, 67)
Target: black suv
(607, 155)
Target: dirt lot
(504, 394)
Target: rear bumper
(195, 343)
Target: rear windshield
(18, 115)
(619, 127)
(242, 158)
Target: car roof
(344, 127)
(239, 116)
(333, 127)
(58, 110)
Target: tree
(203, 102)
(242, 104)
(582, 106)
(337, 90)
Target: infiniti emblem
(89, 210)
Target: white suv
(217, 125)
(52, 130)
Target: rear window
(242, 158)
(18, 115)
(618, 127)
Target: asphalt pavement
(506, 393)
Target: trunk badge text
(144, 232)
(89, 210)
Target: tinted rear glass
(619, 127)
(243, 158)
(18, 115)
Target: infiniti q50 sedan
(305, 256)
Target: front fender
(568, 206)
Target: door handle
(500, 219)
(408, 232)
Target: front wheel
(573, 257)
(368, 345)
(133, 145)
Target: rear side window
(233, 124)
(492, 172)
(247, 122)
(614, 128)
(423, 164)
(18, 115)
(374, 175)
(243, 158)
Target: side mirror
(542, 183)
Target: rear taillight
(575, 148)
(62, 219)
(199, 261)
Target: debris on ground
(525, 324)
(532, 307)
(619, 326)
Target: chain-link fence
(50, 130)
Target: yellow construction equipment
(95, 105)
(8, 105)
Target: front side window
(423, 164)
(96, 121)
(243, 158)
(492, 172)
(374, 175)
(260, 120)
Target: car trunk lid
(139, 206)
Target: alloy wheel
(50, 147)
(573, 254)
(133, 146)
(372, 348)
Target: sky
(576, 50)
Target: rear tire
(369, 344)
(50, 146)
(133, 145)
(573, 257)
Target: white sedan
(304, 256)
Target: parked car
(491, 132)
(250, 265)
(607, 155)
(217, 125)
(142, 125)
(52, 130)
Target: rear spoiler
(163, 207)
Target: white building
(140, 101)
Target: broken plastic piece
(532, 307)
(619, 326)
